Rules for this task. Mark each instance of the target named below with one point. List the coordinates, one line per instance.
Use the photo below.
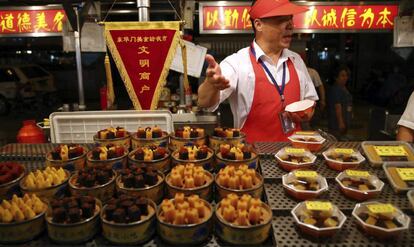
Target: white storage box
(81, 126)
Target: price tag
(307, 133)
(406, 174)
(390, 151)
(295, 150)
(356, 173)
(305, 174)
(317, 205)
(381, 208)
(344, 150)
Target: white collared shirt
(238, 69)
(407, 119)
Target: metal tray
(22, 151)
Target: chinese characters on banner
(31, 21)
(143, 58)
(230, 19)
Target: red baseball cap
(269, 8)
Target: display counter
(284, 231)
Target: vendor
(406, 123)
(260, 80)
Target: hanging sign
(143, 52)
(223, 17)
(32, 21)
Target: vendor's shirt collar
(260, 54)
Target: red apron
(262, 123)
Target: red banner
(345, 17)
(143, 58)
(31, 21)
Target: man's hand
(214, 76)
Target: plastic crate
(81, 126)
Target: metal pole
(78, 50)
(143, 10)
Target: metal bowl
(130, 233)
(379, 232)
(155, 192)
(46, 193)
(73, 233)
(191, 234)
(243, 235)
(24, 231)
(215, 141)
(7, 190)
(252, 163)
(358, 194)
(255, 192)
(71, 165)
(102, 192)
(206, 163)
(115, 163)
(318, 231)
(162, 165)
(205, 192)
(120, 141)
(177, 142)
(303, 194)
(144, 142)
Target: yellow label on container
(317, 205)
(390, 150)
(381, 208)
(295, 150)
(307, 133)
(406, 174)
(344, 150)
(356, 173)
(305, 174)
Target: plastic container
(304, 175)
(378, 153)
(339, 165)
(389, 212)
(399, 177)
(81, 126)
(356, 194)
(309, 140)
(302, 211)
(30, 133)
(290, 165)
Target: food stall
(137, 177)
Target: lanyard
(281, 89)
